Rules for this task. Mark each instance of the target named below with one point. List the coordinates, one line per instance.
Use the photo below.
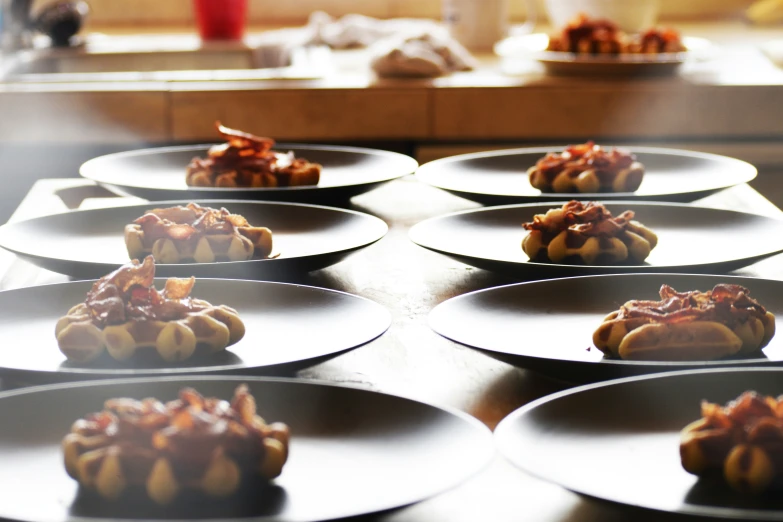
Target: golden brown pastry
(247, 161)
(195, 443)
(584, 35)
(687, 326)
(196, 234)
(589, 234)
(587, 168)
(654, 41)
(742, 441)
(126, 316)
(588, 36)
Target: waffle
(206, 445)
(589, 234)
(687, 326)
(603, 37)
(125, 316)
(655, 41)
(587, 168)
(196, 234)
(247, 161)
(742, 441)
(585, 36)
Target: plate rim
(95, 374)
(102, 180)
(488, 447)
(626, 268)
(159, 204)
(502, 439)
(423, 174)
(711, 365)
(256, 378)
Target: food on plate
(742, 441)
(204, 444)
(195, 233)
(589, 234)
(587, 36)
(654, 41)
(584, 35)
(126, 316)
(687, 326)
(587, 168)
(247, 161)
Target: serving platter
(500, 177)
(287, 327)
(547, 326)
(690, 239)
(90, 243)
(352, 451)
(159, 173)
(619, 441)
(534, 47)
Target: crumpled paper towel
(423, 56)
(400, 47)
(356, 31)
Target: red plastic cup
(221, 19)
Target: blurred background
(80, 79)
(152, 12)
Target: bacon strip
(725, 303)
(753, 417)
(128, 293)
(584, 157)
(591, 219)
(169, 222)
(244, 140)
(187, 430)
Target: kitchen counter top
(737, 95)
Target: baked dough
(196, 234)
(687, 326)
(194, 443)
(587, 168)
(588, 234)
(584, 35)
(126, 317)
(742, 441)
(248, 161)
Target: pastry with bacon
(585, 35)
(742, 441)
(588, 36)
(202, 444)
(247, 161)
(654, 41)
(196, 234)
(587, 168)
(687, 326)
(589, 234)
(125, 316)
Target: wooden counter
(737, 96)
